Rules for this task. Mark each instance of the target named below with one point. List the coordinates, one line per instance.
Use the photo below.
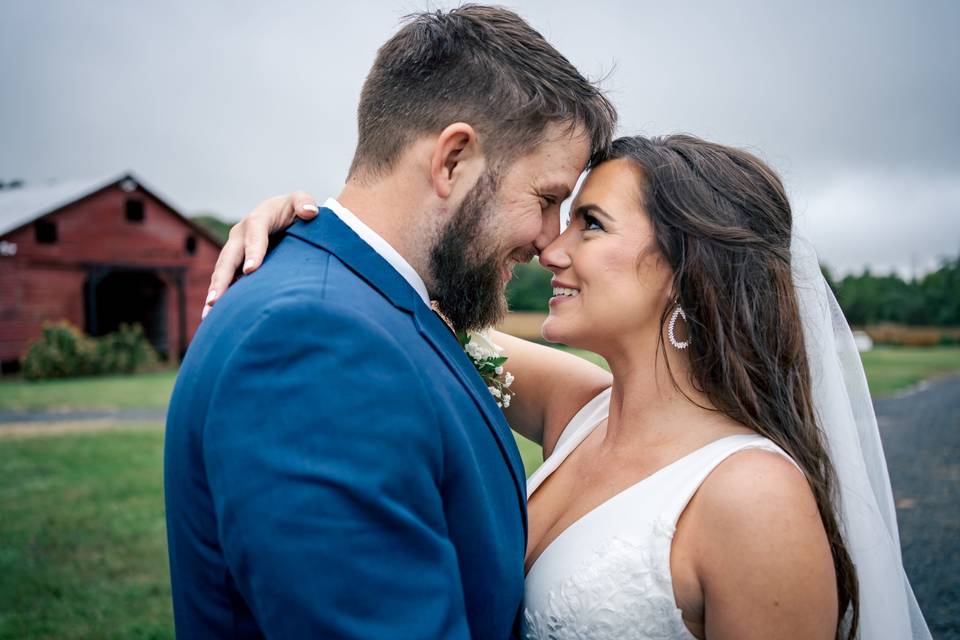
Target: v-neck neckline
(575, 441)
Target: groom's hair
(477, 64)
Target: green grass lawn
(891, 369)
(83, 552)
(888, 369)
(82, 543)
(141, 391)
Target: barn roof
(23, 205)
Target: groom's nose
(549, 229)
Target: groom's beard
(465, 268)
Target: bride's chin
(552, 333)
(548, 333)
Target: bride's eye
(590, 223)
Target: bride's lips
(563, 293)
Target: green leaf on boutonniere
(486, 359)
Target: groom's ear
(457, 159)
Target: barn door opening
(129, 297)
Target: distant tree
(940, 293)
(865, 298)
(932, 300)
(219, 228)
(530, 289)
(828, 276)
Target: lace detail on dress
(621, 591)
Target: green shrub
(61, 352)
(949, 339)
(125, 350)
(64, 351)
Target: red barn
(99, 253)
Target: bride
(727, 481)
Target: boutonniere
(488, 359)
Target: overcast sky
(220, 104)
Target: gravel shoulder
(920, 430)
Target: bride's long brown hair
(723, 222)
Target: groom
(334, 467)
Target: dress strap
(587, 417)
(579, 427)
(694, 468)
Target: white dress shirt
(381, 246)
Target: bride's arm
(550, 386)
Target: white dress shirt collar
(381, 246)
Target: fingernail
(309, 207)
(206, 310)
(248, 265)
(211, 297)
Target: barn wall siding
(47, 281)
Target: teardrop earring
(678, 344)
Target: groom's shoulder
(322, 302)
(306, 309)
(294, 281)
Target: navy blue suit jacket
(334, 466)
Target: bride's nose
(556, 256)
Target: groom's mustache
(525, 257)
(530, 256)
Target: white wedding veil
(844, 411)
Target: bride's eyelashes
(590, 223)
(585, 215)
(587, 219)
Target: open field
(889, 369)
(523, 324)
(142, 391)
(84, 548)
(81, 512)
(892, 369)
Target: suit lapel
(445, 343)
(328, 232)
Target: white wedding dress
(607, 576)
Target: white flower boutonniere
(488, 358)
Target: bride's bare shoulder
(760, 548)
(758, 496)
(754, 478)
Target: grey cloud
(222, 104)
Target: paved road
(921, 438)
(50, 417)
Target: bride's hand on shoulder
(248, 239)
(754, 533)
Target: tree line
(931, 300)
(866, 298)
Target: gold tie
(435, 307)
